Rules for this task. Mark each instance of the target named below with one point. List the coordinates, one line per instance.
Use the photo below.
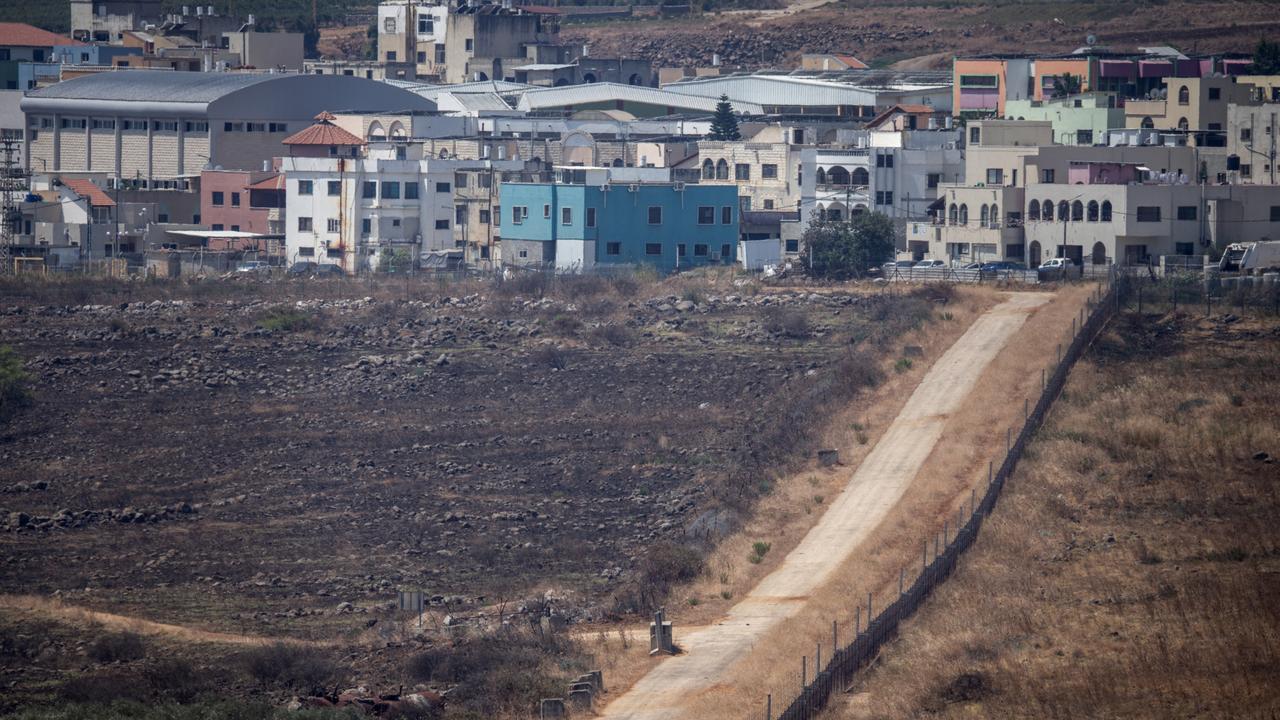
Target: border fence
(872, 627)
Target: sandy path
(875, 487)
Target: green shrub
(759, 549)
(290, 665)
(14, 379)
(903, 365)
(286, 319)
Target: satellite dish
(1091, 40)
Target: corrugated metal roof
(430, 91)
(477, 101)
(544, 66)
(153, 85)
(605, 92)
(830, 89)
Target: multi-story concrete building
(1253, 132)
(1082, 119)
(22, 43)
(242, 201)
(765, 169)
(618, 216)
(158, 128)
(107, 20)
(1190, 104)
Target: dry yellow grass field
(1130, 568)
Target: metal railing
(941, 552)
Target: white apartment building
(346, 211)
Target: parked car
(1058, 269)
(931, 264)
(1002, 266)
(305, 267)
(254, 267)
(892, 265)
(329, 269)
(972, 266)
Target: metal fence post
(869, 613)
(817, 662)
(1041, 379)
(768, 707)
(835, 640)
(857, 622)
(924, 558)
(973, 501)
(902, 576)
(944, 532)
(990, 474)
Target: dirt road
(871, 492)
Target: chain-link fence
(875, 622)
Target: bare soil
(1129, 569)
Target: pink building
(1103, 173)
(240, 200)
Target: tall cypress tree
(724, 126)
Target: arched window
(588, 78)
(1183, 124)
(1063, 210)
(1033, 253)
(1093, 211)
(617, 162)
(838, 176)
(953, 214)
(709, 170)
(822, 176)
(1099, 254)
(964, 214)
(861, 177)
(376, 131)
(1033, 210)
(1148, 123)
(984, 216)
(722, 169)
(995, 216)
(1184, 96)
(1048, 210)
(1106, 211)
(1077, 211)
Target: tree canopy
(1067, 84)
(840, 250)
(724, 126)
(1266, 58)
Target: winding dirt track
(875, 487)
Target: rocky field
(274, 466)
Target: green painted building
(1077, 119)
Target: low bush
(286, 319)
(116, 647)
(290, 665)
(614, 334)
(550, 356)
(788, 323)
(14, 380)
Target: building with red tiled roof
(19, 43)
(910, 117)
(324, 139)
(88, 191)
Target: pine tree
(1266, 58)
(724, 126)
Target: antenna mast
(12, 180)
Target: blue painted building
(34, 74)
(601, 219)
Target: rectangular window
(304, 187)
(655, 214)
(218, 198)
(366, 226)
(470, 45)
(194, 127)
(1084, 137)
(1275, 213)
(1246, 134)
(1187, 212)
(333, 253)
(333, 225)
(1184, 248)
(99, 124)
(769, 171)
(1148, 214)
(591, 217)
(443, 187)
(653, 248)
(726, 215)
(278, 127)
(304, 224)
(793, 245)
(613, 248)
(706, 215)
(484, 217)
(768, 203)
(255, 127)
(369, 190)
(422, 56)
(546, 211)
(680, 250)
(741, 171)
(73, 123)
(306, 252)
(884, 197)
(1246, 170)
(700, 250)
(1215, 93)
(235, 199)
(460, 215)
(232, 127)
(726, 250)
(390, 190)
(335, 188)
(517, 214)
(1046, 175)
(411, 191)
(216, 227)
(566, 216)
(884, 161)
(391, 57)
(995, 176)
(934, 179)
(442, 224)
(459, 180)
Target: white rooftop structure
(798, 93)
(576, 95)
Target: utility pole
(12, 180)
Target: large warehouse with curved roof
(158, 126)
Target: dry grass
(1129, 570)
(958, 463)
